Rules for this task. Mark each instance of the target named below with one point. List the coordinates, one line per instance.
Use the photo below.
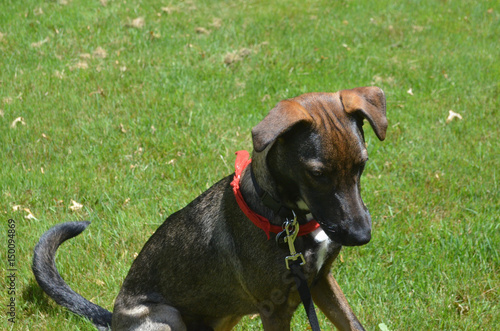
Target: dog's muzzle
(349, 233)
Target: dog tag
(280, 239)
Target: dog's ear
(280, 119)
(369, 102)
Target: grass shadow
(37, 300)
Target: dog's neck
(259, 191)
(252, 198)
(262, 175)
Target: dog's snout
(356, 220)
(359, 231)
(352, 232)
(357, 238)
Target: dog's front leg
(277, 320)
(329, 298)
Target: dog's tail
(50, 281)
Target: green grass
(135, 135)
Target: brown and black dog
(208, 265)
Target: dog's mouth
(354, 231)
(331, 230)
(349, 237)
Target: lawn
(121, 112)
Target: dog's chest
(322, 249)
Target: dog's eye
(315, 169)
(316, 173)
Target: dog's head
(311, 152)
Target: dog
(218, 259)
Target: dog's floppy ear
(369, 102)
(280, 119)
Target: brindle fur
(207, 265)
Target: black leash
(294, 263)
(296, 260)
(305, 294)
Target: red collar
(242, 161)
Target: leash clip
(292, 230)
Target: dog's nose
(357, 231)
(357, 238)
(349, 236)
